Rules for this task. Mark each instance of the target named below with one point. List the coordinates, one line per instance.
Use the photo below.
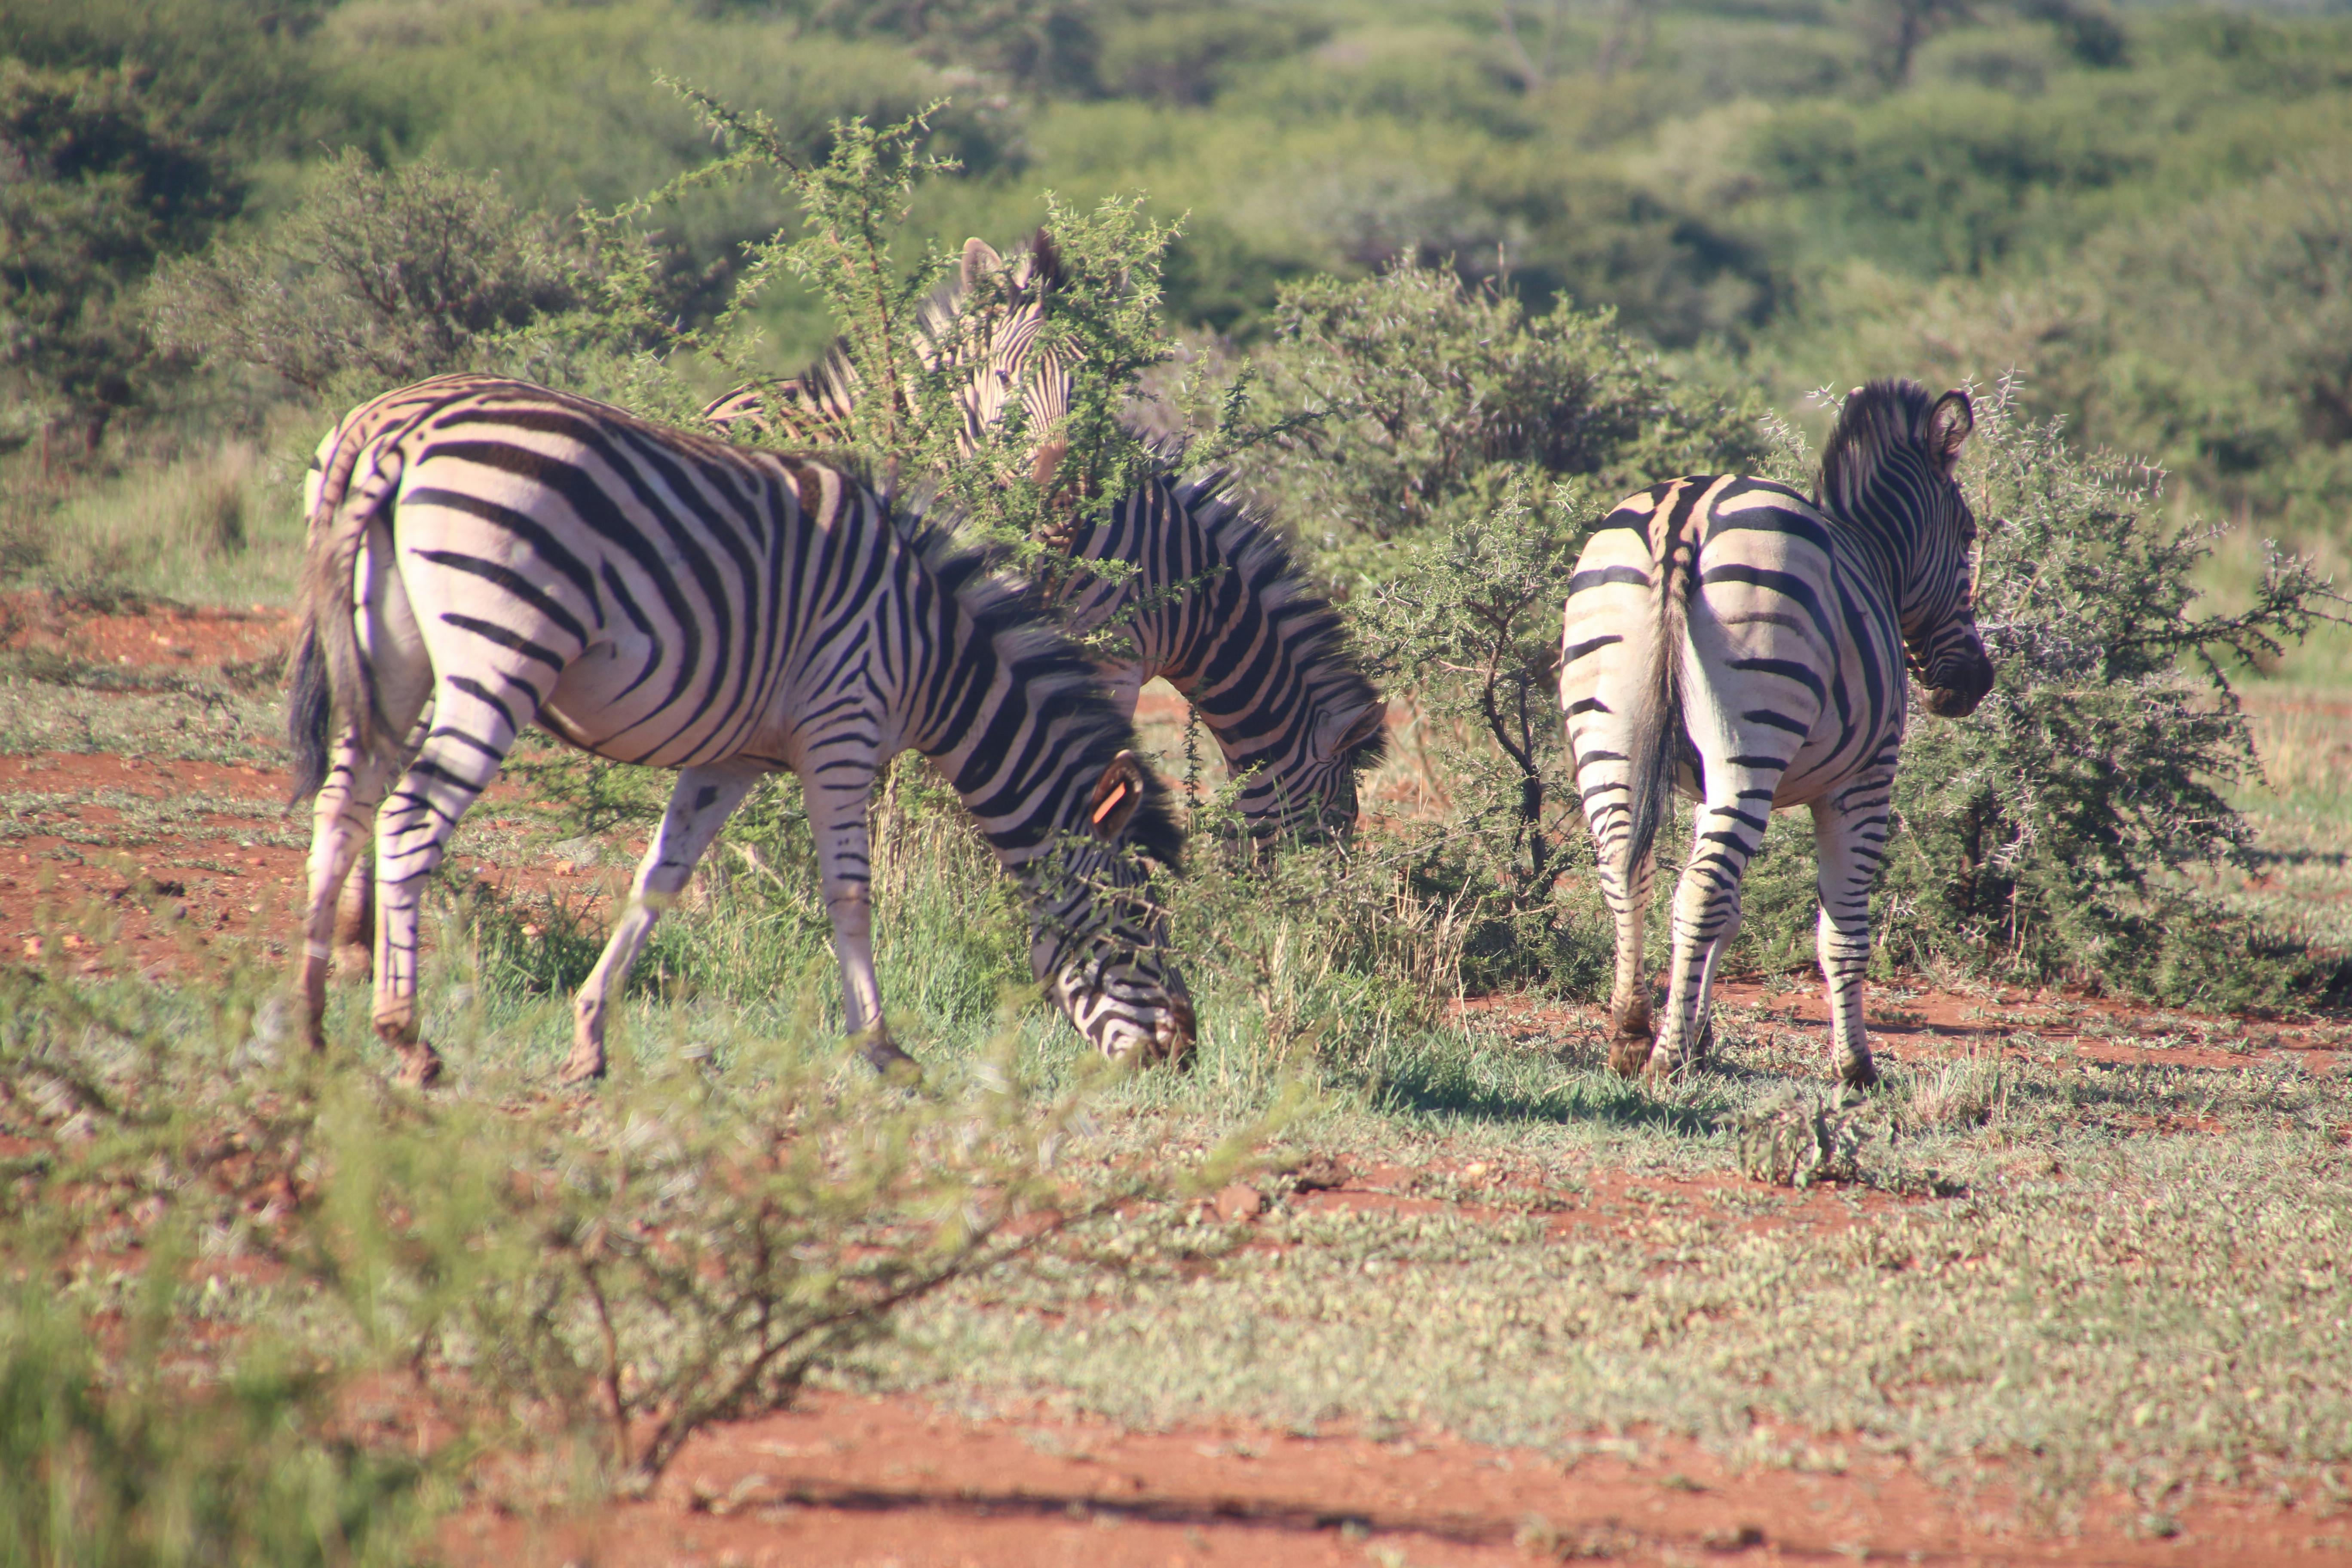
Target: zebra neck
(1212, 603)
(1875, 538)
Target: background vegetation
(1441, 280)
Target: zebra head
(1888, 469)
(1101, 941)
(993, 318)
(989, 319)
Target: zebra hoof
(420, 1065)
(582, 1067)
(1862, 1074)
(1628, 1055)
(895, 1066)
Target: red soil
(846, 1479)
(174, 636)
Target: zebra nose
(1956, 694)
(1175, 1031)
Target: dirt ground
(846, 1479)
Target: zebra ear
(1339, 733)
(980, 259)
(1117, 794)
(1948, 424)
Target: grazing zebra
(1729, 638)
(1206, 596)
(1258, 653)
(485, 553)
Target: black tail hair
(310, 710)
(1658, 723)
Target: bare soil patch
(175, 637)
(1934, 1024)
(847, 1479)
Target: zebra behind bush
(485, 553)
(1201, 592)
(1728, 637)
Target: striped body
(485, 555)
(1213, 605)
(1205, 596)
(1728, 637)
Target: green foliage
(375, 278)
(241, 77)
(694, 1247)
(619, 1274)
(129, 1432)
(1949, 184)
(1437, 399)
(1471, 621)
(918, 380)
(98, 180)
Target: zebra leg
(1849, 842)
(1631, 1031)
(356, 911)
(844, 865)
(341, 819)
(472, 729)
(1706, 906)
(700, 805)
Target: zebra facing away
(485, 553)
(1728, 637)
(1206, 596)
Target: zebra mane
(1880, 421)
(1316, 636)
(1048, 665)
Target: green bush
(99, 179)
(1436, 399)
(2050, 835)
(376, 278)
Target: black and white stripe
(1729, 638)
(1212, 601)
(1201, 594)
(486, 553)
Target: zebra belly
(618, 701)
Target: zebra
(1209, 599)
(484, 553)
(1204, 595)
(1000, 343)
(1729, 638)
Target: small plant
(1799, 1140)
(1970, 1092)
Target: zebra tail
(1658, 719)
(309, 708)
(330, 668)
